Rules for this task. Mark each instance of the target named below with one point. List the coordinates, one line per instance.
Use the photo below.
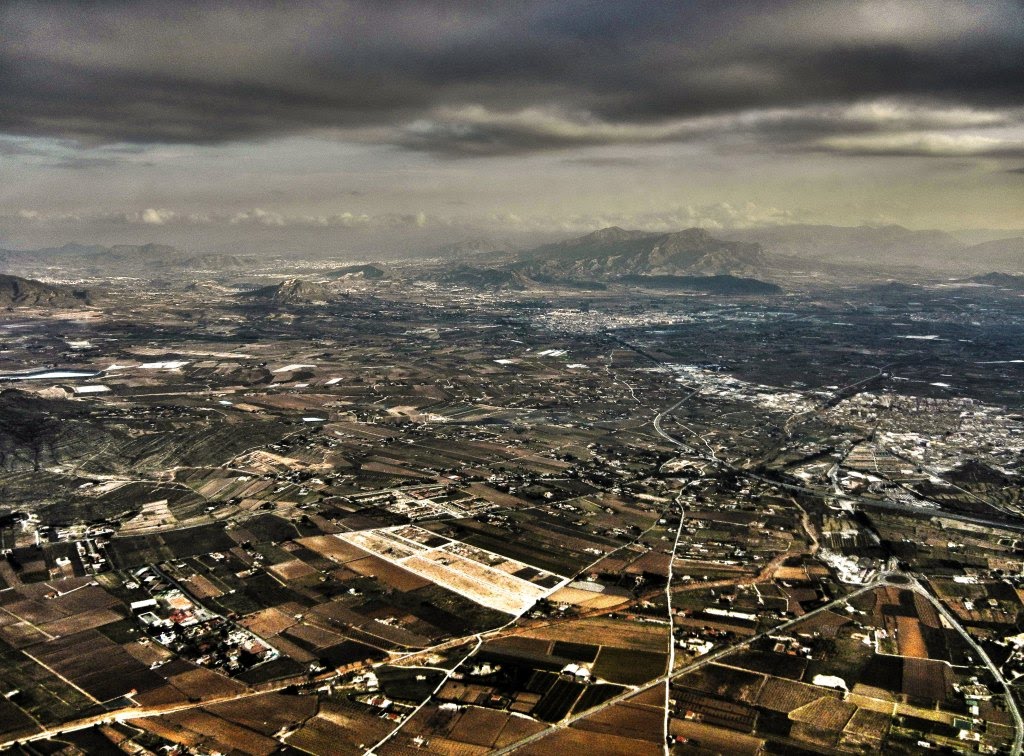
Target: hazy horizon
(356, 126)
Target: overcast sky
(227, 125)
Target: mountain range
(884, 247)
(607, 254)
(614, 251)
(130, 258)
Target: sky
(360, 126)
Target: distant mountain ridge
(25, 292)
(614, 251)
(94, 256)
(883, 246)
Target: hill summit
(293, 291)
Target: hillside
(485, 278)
(725, 284)
(25, 292)
(1007, 254)
(613, 252)
(874, 245)
(1000, 280)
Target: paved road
(704, 660)
(904, 583)
(1011, 704)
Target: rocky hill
(292, 291)
(25, 292)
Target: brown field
(339, 729)
(83, 599)
(628, 719)
(292, 650)
(928, 614)
(826, 623)
(439, 745)
(267, 622)
(717, 740)
(205, 684)
(35, 612)
(95, 664)
(910, 638)
(652, 562)
(314, 635)
(495, 496)
(76, 623)
(168, 730)
(573, 741)
(867, 725)
(923, 678)
(478, 727)
(611, 564)
(733, 684)
(784, 696)
(605, 631)
(520, 643)
(469, 731)
(21, 634)
(827, 713)
(14, 722)
(389, 469)
(162, 696)
(391, 574)
(293, 569)
(147, 653)
(461, 692)
(516, 728)
(202, 587)
(333, 548)
(225, 736)
(269, 713)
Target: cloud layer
(255, 124)
(472, 79)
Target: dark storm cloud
(466, 79)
